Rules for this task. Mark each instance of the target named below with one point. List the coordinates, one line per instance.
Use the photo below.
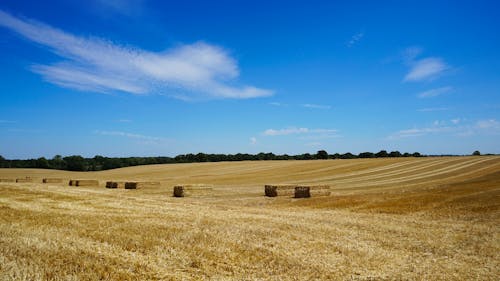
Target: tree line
(99, 163)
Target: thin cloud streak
(98, 65)
(432, 109)
(435, 92)
(316, 106)
(294, 130)
(481, 127)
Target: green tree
(322, 154)
(476, 153)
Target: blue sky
(148, 78)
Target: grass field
(387, 219)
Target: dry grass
(386, 219)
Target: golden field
(386, 219)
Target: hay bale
(72, 182)
(115, 184)
(141, 184)
(7, 180)
(52, 180)
(22, 180)
(302, 192)
(279, 190)
(192, 190)
(87, 183)
(312, 191)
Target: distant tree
(75, 163)
(395, 154)
(366, 155)
(416, 154)
(347, 155)
(322, 154)
(382, 153)
(42, 163)
(406, 154)
(476, 153)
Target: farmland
(433, 218)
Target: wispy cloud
(316, 106)
(423, 69)
(355, 38)
(278, 104)
(124, 120)
(253, 140)
(99, 65)
(295, 130)
(431, 109)
(130, 135)
(6, 121)
(426, 69)
(454, 127)
(435, 92)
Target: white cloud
(457, 128)
(98, 65)
(278, 104)
(355, 38)
(435, 92)
(423, 69)
(490, 124)
(316, 106)
(124, 120)
(426, 69)
(253, 140)
(294, 130)
(431, 109)
(130, 135)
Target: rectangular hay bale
(7, 180)
(115, 184)
(279, 190)
(87, 183)
(192, 190)
(22, 180)
(52, 180)
(72, 183)
(141, 184)
(303, 191)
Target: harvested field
(386, 219)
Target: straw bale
(52, 180)
(312, 191)
(131, 185)
(192, 190)
(115, 184)
(141, 184)
(72, 182)
(87, 183)
(302, 192)
(7, 180)
(279, 190)
(27, 179)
